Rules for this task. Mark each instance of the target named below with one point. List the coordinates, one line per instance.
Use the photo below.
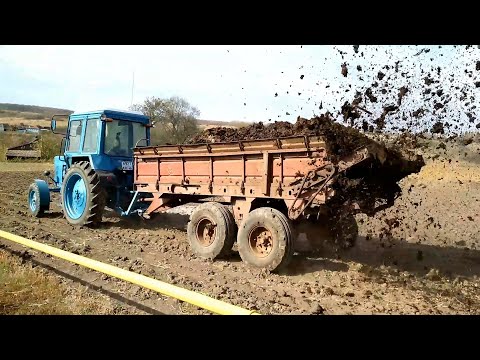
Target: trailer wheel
(265, 239)
(83, 199)
(232, 228)
(211, 231)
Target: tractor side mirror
(53, 124)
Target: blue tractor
(95, 168)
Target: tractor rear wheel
(83, 199)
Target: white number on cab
(127, 165)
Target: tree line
(175, 119)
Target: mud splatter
(438, 128)
(371, 97)
(401, 93)
(344, 69)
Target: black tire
(211, 231)
(96, 198)
(277, 228)
(231, 230)
(38, 210)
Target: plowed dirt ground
(420, 256)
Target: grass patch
(20, 166)
(25, 121)
(32, 291)
(24, 291)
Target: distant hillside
(41, 110)
(222, 123)
(19, 114)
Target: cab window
(74, 136)
(91, 136)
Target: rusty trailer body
(241, 171)
(282, 178)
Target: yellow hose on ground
(194, 298)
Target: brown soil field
(420, 256)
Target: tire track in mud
(59, 234)
(312, 285)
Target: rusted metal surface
(241, 207)
(156, 203)
(261, 241)
(205, 232)
(305, 194)
(26, 150)
(296, 170)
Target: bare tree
(175, 119)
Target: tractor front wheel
(83, 199)
(38, 198)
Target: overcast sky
(225, 82)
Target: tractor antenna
(133, 84)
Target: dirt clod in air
(438, 128)
(349, 112)
(428, 81)
(401, 93)
(369, 94)
(418, 113)
(380, 121)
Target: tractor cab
(103, 138)
(95, 168)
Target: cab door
(74, 142)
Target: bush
(49, 144)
